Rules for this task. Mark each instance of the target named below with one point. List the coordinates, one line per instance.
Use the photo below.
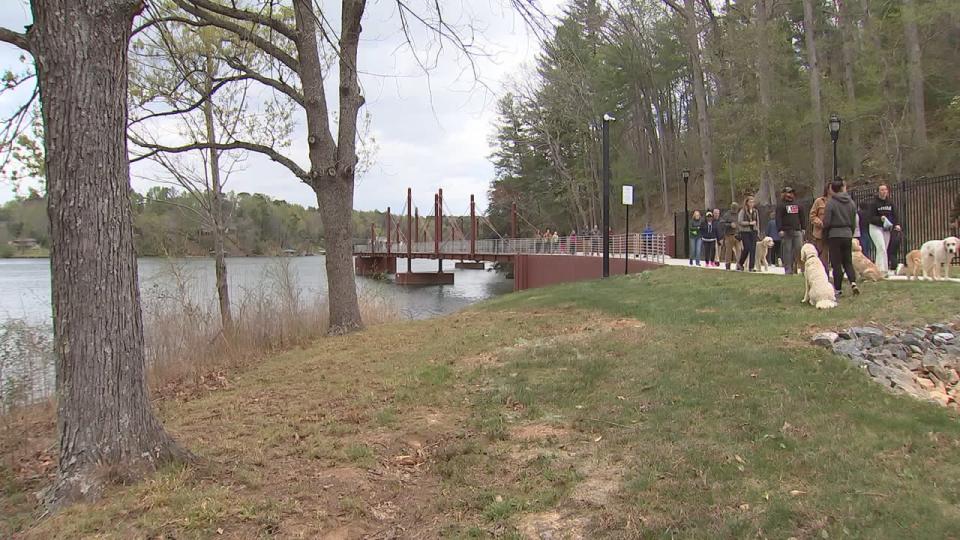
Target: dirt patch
(552, 525)
(480, 361)
(346, 532)
(597, 488)
(538, 432)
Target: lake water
(26, 368)
(25, 284)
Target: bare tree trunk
(847, 35)
(817, 127)
(915, 72)
(216, 207)
(105, 422)
(333, 164)
(700, 95)
(651, 110)
(767, 194)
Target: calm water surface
(26, 368)
(25, 284)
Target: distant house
(24, 243)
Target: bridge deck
(651, 247)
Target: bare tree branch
(245, 15)
(676, 7)
(247, 34)
(235, 145)
(277, 85)
(193, 106)
(15, 38)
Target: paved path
(779, 270)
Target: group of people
(833, 221)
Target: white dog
(937, 254)
(763, 246)
(817, 288)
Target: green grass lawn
(674, 404)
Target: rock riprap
(923, 362)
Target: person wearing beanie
(709, 234)
(790, 226)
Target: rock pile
(923, 362)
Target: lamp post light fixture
(834, 134)
(685, 174)
(607, 118)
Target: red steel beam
(473, 227)
(409, 228)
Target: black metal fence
(925, 206)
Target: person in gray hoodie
(839, 223)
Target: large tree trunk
(852, 125)
(915, 72)
(105, 422)
(216, 208)
(817, 126)
(333, 164)
(700, 96)
(767, 194)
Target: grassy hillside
(678, 403)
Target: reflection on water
(26, 361)
(25, 284)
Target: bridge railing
(651, 247)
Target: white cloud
(432, 129)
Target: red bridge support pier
(428, 278)
(373, 266)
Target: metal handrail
(642, 246)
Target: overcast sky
(430, 130)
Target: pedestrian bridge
(536, 261)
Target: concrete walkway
(777, 270)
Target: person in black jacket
(839, 222)
(884, 228)
(709, 234)
(791, 223)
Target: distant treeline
(168, 222)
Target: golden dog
(863, 265)
(763, 247)
(913, 267)
(817, 288)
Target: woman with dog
(839, 222)
(748, 224)
(884, 228)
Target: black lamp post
(686, 211)
(607, 118)
(834, 134)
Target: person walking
(884, 228)
(790, 226)
(696, 242)
(716, 222)
(731, 245)
(839, 223)
(748, 223)
(709, 233)
(774, 253)
(572, 242)
(816, 225)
